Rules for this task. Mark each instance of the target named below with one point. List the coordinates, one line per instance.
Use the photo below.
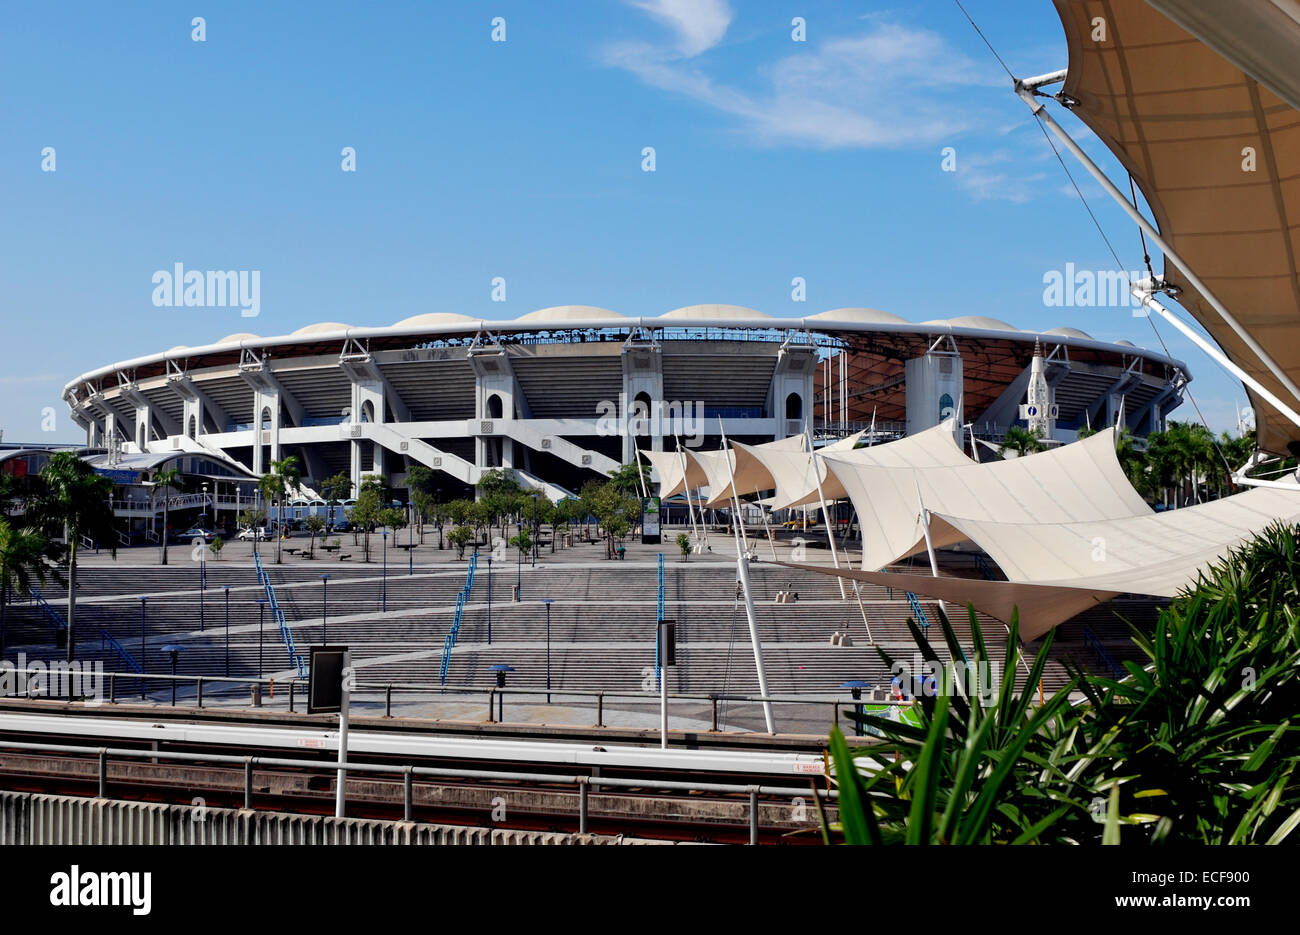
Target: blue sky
(523, 159)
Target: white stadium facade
(558, 394)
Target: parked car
(249, 533)
(197, 532)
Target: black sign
(667, 643)
(325, 680)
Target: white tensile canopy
(745, 463)
(1072, 483)
(677, 471)
(1057, 570)
(796, 484)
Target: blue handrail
(917, 609)
(984, 567)
(462, 598)
(277, 614)
(106, 639)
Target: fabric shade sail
(1206, 123)
(796, 484)
(677, 471)
(1075, 482)
(750, 471)
(1057, 570)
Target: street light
(855, 687)
(410, 542)
(385, 589)
(501, 669)
(547, 602)
(324, 607)
(489, 598)
(174, 652)
(226, 588)
(537, 530)
(261, 614)
(203, 579)
(143, 602)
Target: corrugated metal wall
(26, 818)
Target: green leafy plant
(1199, 744)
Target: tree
(523, 542)
(315, 526)
(1021, 441)
(421, 482)
(333, 489)
(370, 501)
(286, 475)
(22, 561)
(169, 479)
(684, 543)
(75, 497)
(460, 537)
(631, 478)
(216, 547)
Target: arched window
(367, 411)
(495, 405)
(794, 406)
(193, 428)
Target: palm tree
(1021, 441)
(22, 559)
(75, 497)
(162, 480)
(334, 489)
(285, 474)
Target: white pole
(1151, 302)
(830, 536)
(341, 782)
(702, 535)
(742, 568)
(663, 706)
(1039, 109)
(735, 497)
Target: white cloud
(995, 177)
(699, 24)
(890, 87)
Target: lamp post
(203, 514)
(501, 669)
(410, 542)
(489, 598)
(536, 532)
(174, 652)
(385, 588)
(261, 615)
(324, 607)
(855, 687)
(547, 602)
(226, 587)
(519, 569)
(203, 579)
(143, 603)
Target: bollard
(713, 700)
(836, 718)
(514, 592)
(492, 696)
(112, 689)
(103, 773)
(408, 797)
(257, 695)
(388, 701)
(199, 691)
(600, 709)
(583, 787)
(753, 815)
(248, 783)
(293, 683)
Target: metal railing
(462, 597)
(493, 697)
(277, 614)
(917, 609)
(1093, 642)
(584, 782)
(106, 639)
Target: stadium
(564, 394)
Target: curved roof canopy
(1204, 117)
